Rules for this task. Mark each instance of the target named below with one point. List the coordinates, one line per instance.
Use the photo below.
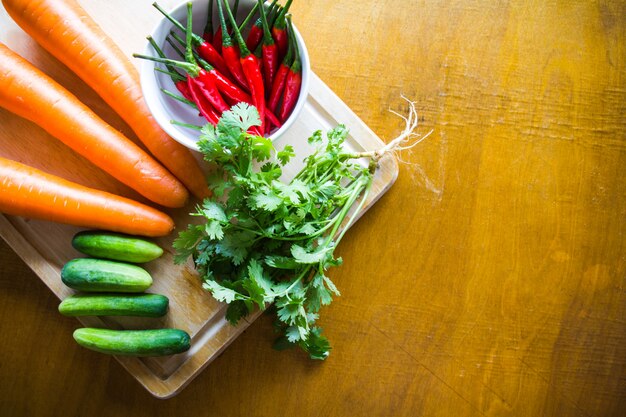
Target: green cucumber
(143, 305)
(158, 342)
(87, 274)
(115, 246)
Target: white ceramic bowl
(164, 108)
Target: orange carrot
(28, 92)
(28, 192)
(65, 30)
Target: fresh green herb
(265, 241)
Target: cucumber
(143, 305)
(115, 246)
(134, 342)
(87, 274)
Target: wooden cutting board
(46, 247)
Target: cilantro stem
(285, 292)
(344, 211)
(368, 187)
(261, 234)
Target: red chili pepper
(229, 52)
(205, 82)
(271, 120)
(281, 77)
(206, 85)
(200, 79)
(204, 48)
(222, 68)
(252, 70)
(258, 53)
(255, 35)
(184, 89)
(279, 31)
(217, 39)
(208, 28)
(204, 106)
(290, 96)
(256, 31)
(210, 54)
(272, 117)
(218, 43)
(270, 53)
(229, 90)
(293, 83)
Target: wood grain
(489, 280)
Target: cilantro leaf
(281, 262)
(265, 200)
(236, 311)
(255, 292)
(317, 345)
(240, 118)
(301, 255)
(261, 147)
(318, 295)
(316, 137)
(267, 242)
(257, 274)
(300, 187)
(221, 293)
(214, 230)
(289, 311)
(286, 154)
(213, 211)
(186, 242)
(307, 229)
(331, 286)
(235, 246)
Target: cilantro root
(265, 242)
(403, 141)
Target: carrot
(65, 30)
(28, 92)
(28, 192)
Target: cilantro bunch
(268, 242)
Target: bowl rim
(153, 97)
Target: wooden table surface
(490, 280)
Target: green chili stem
(248, 18)
(188, 33)
(197, 40)
(187, 125)
(243, 49)
(179, 98)
(191, 69)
